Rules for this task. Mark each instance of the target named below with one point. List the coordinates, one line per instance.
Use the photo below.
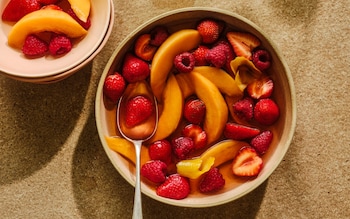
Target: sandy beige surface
(52, 164)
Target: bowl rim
(258, 181)
(66, 66)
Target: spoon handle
(137, 210)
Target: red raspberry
(160, 150)
(134, 69)
(209, 30)
(158, 35)
(154, 171)
(59, 44)
(175, 187)
(34, 46)
(266, 111)
(244, 108)
(184, 62)
(194, 111)
(114, 86)
(216, 56)
(182, 147)
(212, 181)
(230, 55)
(200, 55)
(262, 142)
(261, 59)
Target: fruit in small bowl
(226, 101)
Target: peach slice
(44, 20)
(178, 42)
(216, 108)
(170, 110)
(81, 8)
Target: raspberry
(114, 86)
(34, 46)
(182, 146)
(184, 62)
(175, 187)
(200, 55)
(261, 59)
(262, 142)
(244, 108)
(266, 111)
(154, 171)
(158, 35)
(59, 45)
(160, 150)
(212, 181)
(216, 56)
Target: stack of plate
(48, 69)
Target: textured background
(52, 164)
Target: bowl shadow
(38, 119)
(101, 192)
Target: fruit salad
(214, 88)
(46, 27)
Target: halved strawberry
(243, 43)
(247, 162)
(16, 9)
(138, 110)
(261, 88)
(143, 49)
(198, 135)
(239, 132)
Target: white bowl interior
(283, 94)
(14, 63)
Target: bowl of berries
(44, 41)
(225, 99)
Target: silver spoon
(137, 135)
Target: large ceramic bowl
(15, 65)
(283, 94)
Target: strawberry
(184, 62)
(158, 35)
(86, 25)
(182, 147)
(212, 181)
(244, 108)
(216, 56)
(239, 132)
(194, 111)
(209, 30)
(247, 162)
(34, 46)
(261, 59)
(243, 43)
(47, 2)
(198, 135)
(138, 110)
(60, 44)
(160, 150)
(143, 49)
(200, 55)
(16, 9)
(262, 142)
(154, 171)
(175, 187)
(134, 69)
(114, 86)
(261, 88)
(266, 111)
